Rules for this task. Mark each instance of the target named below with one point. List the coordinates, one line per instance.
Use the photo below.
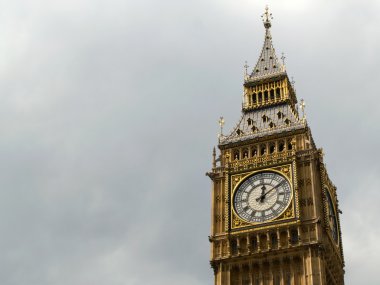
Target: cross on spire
(246, 68)
(267, 17)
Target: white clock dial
(262, 197)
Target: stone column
(228, 273)
(299, 234)
(240, 274)
(258, 242)
(261, 281)
(250, 273)
(248, 244)
(291, 270)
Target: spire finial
(214, 157)
(267, 17)
(283, 58)
(246, 70)
(302, 106)
(283, 61)
(221, 124)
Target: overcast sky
(108, 116)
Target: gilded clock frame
(290, 213)
(236, 187)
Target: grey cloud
(109, 113)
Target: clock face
(262, 197)
(331, 215)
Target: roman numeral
(279, 184)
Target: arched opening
(272, 94)
(260, 97)
(236, 155)
(290, 146)
(278, 93)
(281, 146)
(266, 96)
(274, 241)
(233, 245)
(272, 148)
(263, 149)
(294, 236)
(254, 151)
(254, 243)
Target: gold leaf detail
(288, 213)
(285, 169)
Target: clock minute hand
(263, 195)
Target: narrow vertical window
(278, 93)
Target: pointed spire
(268, 63)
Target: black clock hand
(262, 197)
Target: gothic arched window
(278, 93)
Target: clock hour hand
(262, 197)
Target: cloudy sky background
(108, 115)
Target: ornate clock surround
(234, 223)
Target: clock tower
(275, 212)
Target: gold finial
(283, 61)
(303, 106)
(221, 124)
(283, 58)
(267, 17)
(214, 157)
(246, 70)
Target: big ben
(275, 212)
